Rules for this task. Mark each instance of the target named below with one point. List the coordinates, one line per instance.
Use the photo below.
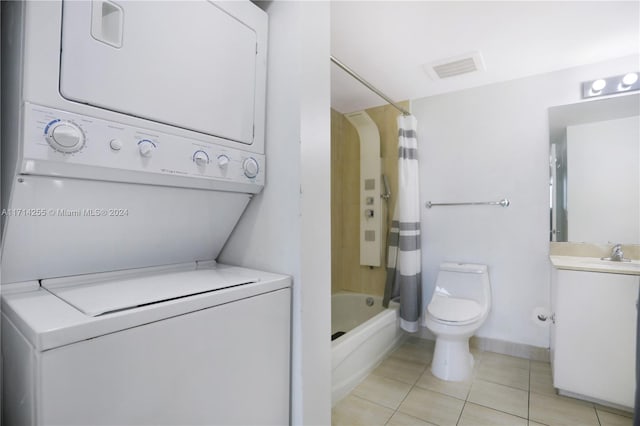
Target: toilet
(459, 306)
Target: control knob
(201, 158)
(115, 144)
(64, 136)
(223, 161)
(146, 147)
(250, 167)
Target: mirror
(595, 171)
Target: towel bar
(504, 203)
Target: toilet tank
(465, 281)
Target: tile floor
(503, 390)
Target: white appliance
(175, 346)
(133, 140)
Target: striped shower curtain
(404, 260)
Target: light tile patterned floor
(503, 390)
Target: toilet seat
(454, 310)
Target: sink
(596, 264)
(627, 265)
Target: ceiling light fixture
(611, 85)
(598, 85)
(628, 80)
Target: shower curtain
(404, 259)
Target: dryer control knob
(250, 167)
(115, 144)
(65, 136)
(146, 147)
(223, 161)
(201, 158)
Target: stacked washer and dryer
(133, 140)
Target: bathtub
(372, 332)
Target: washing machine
(185, 344)
(132, 142)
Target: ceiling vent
(458, 65)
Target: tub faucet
(616, 253)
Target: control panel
(65, 144)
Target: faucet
(616, 253)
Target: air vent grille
(451, 67)
(462, 66)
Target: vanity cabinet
(593, 338)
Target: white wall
(286, 228)
(484, 144)
(315, 161)
(603, 180)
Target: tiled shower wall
(346, 272)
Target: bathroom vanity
(594, 293)
(593, 336)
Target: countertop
(595, 264)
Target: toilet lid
(454, 309)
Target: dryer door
(186, 64)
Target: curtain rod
(368, 85)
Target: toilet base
(452, 360)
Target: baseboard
(606, 404)
(520, 350)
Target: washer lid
(453, 309)
(113, 295)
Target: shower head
(387, 189)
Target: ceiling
(387, 42)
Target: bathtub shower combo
(363, 331)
